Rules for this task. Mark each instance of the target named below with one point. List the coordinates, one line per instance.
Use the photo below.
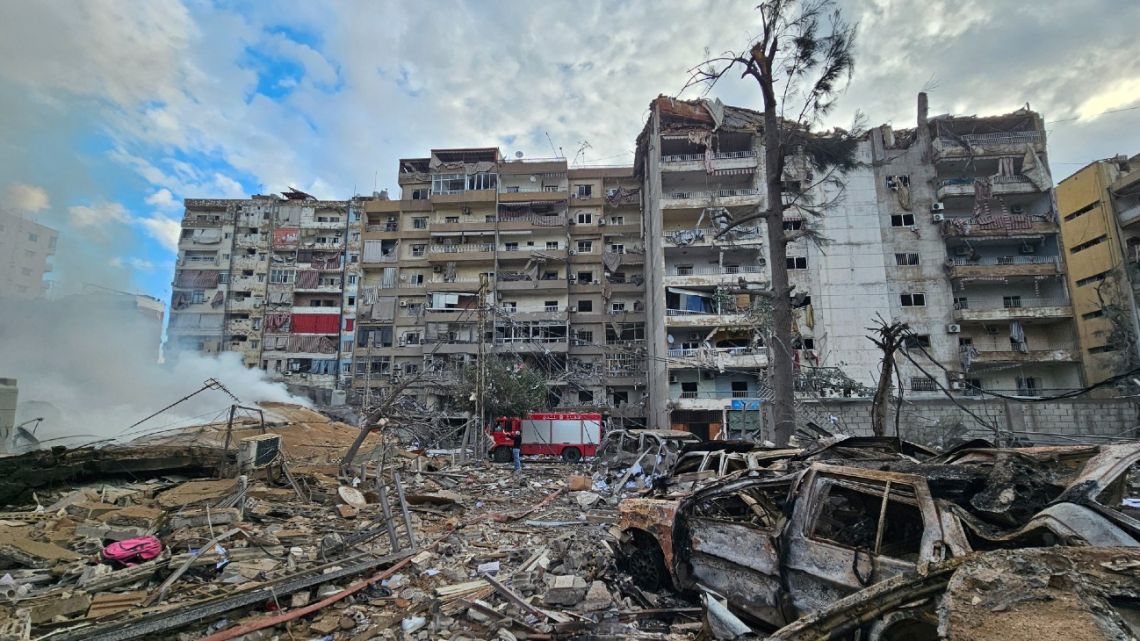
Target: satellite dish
(534, 179)
(518, 154)
(669, 338)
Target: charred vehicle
(778, 543)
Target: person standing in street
(516, 446)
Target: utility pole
(481, 379)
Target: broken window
(797, 262)
(902, 220)
(917, 340)
(850, 516)
(912, 300)
(585, 306)
(923, 384)
(1011, 302)
(511, 247)
(761, 507)
(420, 223)
(585, 396)
(906, 260)
(617, 220)
(583, 191)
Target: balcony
(526, 194)
(963, 187)
(532, 252)
(710, 357)
(711, 276)
(463, 196)
(1009, 308)
(686, 318)
(992, 144)
(469, 252)
(1005, 266)
(440, 283)
(1039, 351)
(708, 400)
(531, 285)
(529, 344)
(721, 160)
(382, 231)
(246, 305)
(1020, 225)
(706, 236)
(741, 197)
(323, 224)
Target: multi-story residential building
(552, 255)
(949, 227)
(700, 169)
(1099, 207)
(273, 279)
(26, 248)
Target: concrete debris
(413, 545)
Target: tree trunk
(780, 350)
(883, 391)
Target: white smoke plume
(88, 365)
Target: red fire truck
(570, 435)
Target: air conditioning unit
(956, 385)
(938, 218)
(572, 310)
(403, 303)
(601, 222)
(937, 207)
(953, 328)
(962, 250)
(1016, 209)
(256, 452)
(573, 252)
(672, 378)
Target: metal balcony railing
(989, 303)
(703, 270)
(462, 249)
(1006, 260)
(722, 193)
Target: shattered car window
(850, 516)
(757, 506)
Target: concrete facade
(274, 279)
(553, 254)
(26, 248)
(1099, 207)
(940, 422)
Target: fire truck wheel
(501, 454)
(571, 455)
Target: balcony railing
(508, 340)
(990, 303)
(1006, 260)
(1003, 138)
(747, 153)
(384, 227)
(722, 193)
(719, 395)
(996, 180)
(462, 249)
(713, 270)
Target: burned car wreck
(814, 527)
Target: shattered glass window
(849, 516)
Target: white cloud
(164, 229)
(98, 215)
(27, 198)
(163, 199)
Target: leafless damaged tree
(801, 61)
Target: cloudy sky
(114, 110)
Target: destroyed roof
(1024, 119)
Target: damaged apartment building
(616, 282)
(949, 227)
(272, 278)
(552, 255)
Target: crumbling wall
(938, 421)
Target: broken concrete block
(597, 598)
(66, 606)
(580, 483)
(196, 491)
(347, 511)
(199, 517)
(300, 599)
(89, 509)
(108, 603)
(17, 548)
(586, 499)
(94, 530)
(133, 516)
(566, 589)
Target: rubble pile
(307, 551)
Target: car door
(852, 528)
(731, 538)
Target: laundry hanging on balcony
(1017, 337)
